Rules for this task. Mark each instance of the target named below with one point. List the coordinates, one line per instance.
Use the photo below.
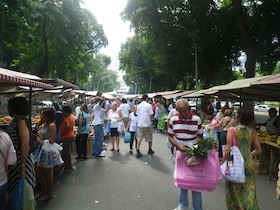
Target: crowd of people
(114, 118)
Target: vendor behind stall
(271, 123)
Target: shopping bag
(28, 197)
(48, 155)
(127, 137)
(214, 122)
(107, 128)
(233, 169)
(200, 178)
(15, 200)
(120, 127)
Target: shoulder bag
(233, 168)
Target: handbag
(233, 168)
(200, 178)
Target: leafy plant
(199, 150)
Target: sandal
(38, 196)
(44, 198)
(112, 149)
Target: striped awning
(10, 78)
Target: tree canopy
(169, 33)
(52, 38)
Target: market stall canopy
(176, 95)
(164, 93)
(93, 93)
(60, 82)
(107, 96)
(10, 79)
(196, 94)
(250, 89)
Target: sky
(107, 13)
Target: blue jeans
(196, 199)
(98, 140)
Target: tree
(53, 39)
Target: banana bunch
(278, 141)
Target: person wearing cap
(271, 123)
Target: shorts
(114, 132)
(125, 121)
(146, 133)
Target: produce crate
(73, 150)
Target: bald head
(183, 108)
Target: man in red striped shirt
(184, 130)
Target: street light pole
(100, 80)
(195, 50)
(135, 86)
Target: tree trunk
(44, 68)
(248, 42)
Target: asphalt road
(121, 182)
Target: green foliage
(167, 32)
(51, 39)
(200, 149)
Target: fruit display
(278, 141)
(264, 136)
(36, 119)
(5, 119)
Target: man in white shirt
(145, 129)
(97, 122)
(125, 110)
(78, 109)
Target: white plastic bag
(120, 127)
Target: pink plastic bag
(214, 122)
(201, 178)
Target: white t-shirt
(133, 122)
(98, 115)
(125, 108)
(8, 150)
(114, 117)
(144, 110)
(77, 112)
(172, 113)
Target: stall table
(274, 157)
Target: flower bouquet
(198, 152)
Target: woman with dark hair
(44, 172)
(19, 131)
(243, 196)
(67, 134)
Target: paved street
(122, 182)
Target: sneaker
(130, 151)
(150, 152)
(138, 154)
(100, 155)
(171, 157)
(78, 157)
(178, 208)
